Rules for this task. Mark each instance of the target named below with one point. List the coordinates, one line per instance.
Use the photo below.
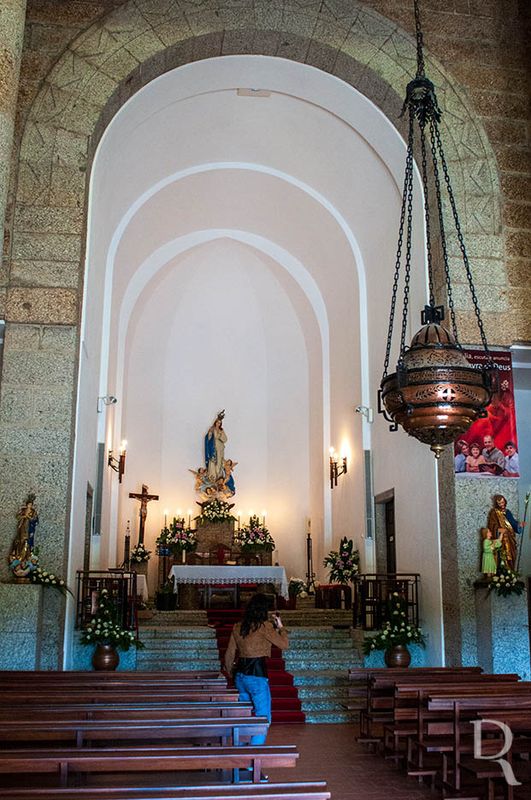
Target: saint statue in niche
(215, 480)
(505, 528)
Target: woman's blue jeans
(256, 690)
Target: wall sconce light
(335, 469)
(118, 464)
(366, 412)
(106, 400)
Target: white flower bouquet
(216, 511)
(45, 578)
(507, 582)
(139, 554)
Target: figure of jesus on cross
(144, 499)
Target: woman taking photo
(252, 639)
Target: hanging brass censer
(435, 394)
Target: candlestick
(263, 517)
(239, 520)
(165, 517)
(189, 517)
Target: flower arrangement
(104, 628)
(297, 588)
(507, 582)
(254, 536)
(45, 578)
(175, 538)
(396, 630)
(139, 554)
(343, 563)
(216, 511)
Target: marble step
(321, 676)
(203, 645)
(331, 716)
(178, 664)
(177, 632)
(311, 693)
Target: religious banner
(490, 446)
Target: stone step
(203, 645)
(177, 632)
(331, 716)
(178, 664)
(321, 675)
(322, 693)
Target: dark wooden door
(390, 535)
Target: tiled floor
(330, 752)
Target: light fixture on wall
(335, 469)
(106, 400)
(366, 412)
(435, 394)
(118, 464)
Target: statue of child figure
(490, 546)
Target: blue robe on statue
(210, 449)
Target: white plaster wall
(203, 339)
(310, 178)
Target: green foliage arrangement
(343, 563)
(396, 630)
(104, 628)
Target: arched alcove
(288, 189)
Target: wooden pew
(306, 790)
(153, 712)
(21, 764)
(228, 730)
(100, 676)
(382, 695)
(11, 698)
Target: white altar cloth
(225, 574)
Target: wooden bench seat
(304, 790)
(153, 712)
(11, 698)
(228, 730)
(15, 765)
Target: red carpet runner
(285, 700)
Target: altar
(224, 574)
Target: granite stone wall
(82, 59)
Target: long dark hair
(255, 614)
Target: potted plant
(165, 598)
(396, 635)
(106, 632)
(507, 582)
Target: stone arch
(142, 39)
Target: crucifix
(144, 499)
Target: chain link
(427, 214)
(462, 245)
(442, 231)
(420, 43)
(396, 278)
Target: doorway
(384, 504)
